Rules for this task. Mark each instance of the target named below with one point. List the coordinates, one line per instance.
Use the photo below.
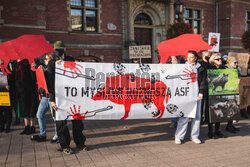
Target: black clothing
(49, 74)
(5, 117)
(26, 90)
(64, 136)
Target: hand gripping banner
(124, 91)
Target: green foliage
(178, 29)
(231, 87)
(246, 39)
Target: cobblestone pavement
(129, 143)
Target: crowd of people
(24, 99)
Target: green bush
(178, 29)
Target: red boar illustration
(127, 89)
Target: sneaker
(38, 138)
(235, 129)
(230, 129)
(177, 141)
(67, 151)
(32, 130)
(82, 147)
(26, 130)
(197, 141)
(219, 134)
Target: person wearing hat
(224, 60)
(59, 49)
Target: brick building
(105, 28)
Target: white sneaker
(177, 141)
(197, 141)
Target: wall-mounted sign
(142, 51)
(214, 41)
(111, 26)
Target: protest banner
(214, 41)
(244, 92)
(125, 91)
(243, 59)
(141, 51)
(4, 93)
(224, 104)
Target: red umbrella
(24, 47)
(181, 45)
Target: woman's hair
(50, 56)
(195, 54)
(213, 57)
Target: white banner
(125, 91)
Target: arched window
(143, 19)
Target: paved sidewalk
(129, 143)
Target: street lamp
(178, 6)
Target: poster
(224, 108)
(243, 59)
(141, 51)
(224, 103)
(214, 40)
(4, 93)
(244, 92)
(125, 91)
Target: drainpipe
(216, 18)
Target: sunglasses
(217, 59)
(236, 62)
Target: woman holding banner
(182, 124)
(215, 63)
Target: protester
(5, 111)
(204, 104)
(224, 60)
(215, 63)
(44, 104)
(27, 97)
(182, 124)
(232, 63)
(175, 60)
(61, 125)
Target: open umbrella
(181, 45)
(24, 47)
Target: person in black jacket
(44, 104)
(27, 97)
(215, 62)
(62, 128)
(183, 121)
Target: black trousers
(210, 127)
(64, 136)
(5, 116)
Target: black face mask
(207, 58)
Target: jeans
(44, 106)
(195, 125)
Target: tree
(246, 39)
(178, 29)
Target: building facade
(106, 28)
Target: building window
(248, 20)
(193, 17)
(142, 19)
(84, 15)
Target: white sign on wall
(214, 40)
(141, 51)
